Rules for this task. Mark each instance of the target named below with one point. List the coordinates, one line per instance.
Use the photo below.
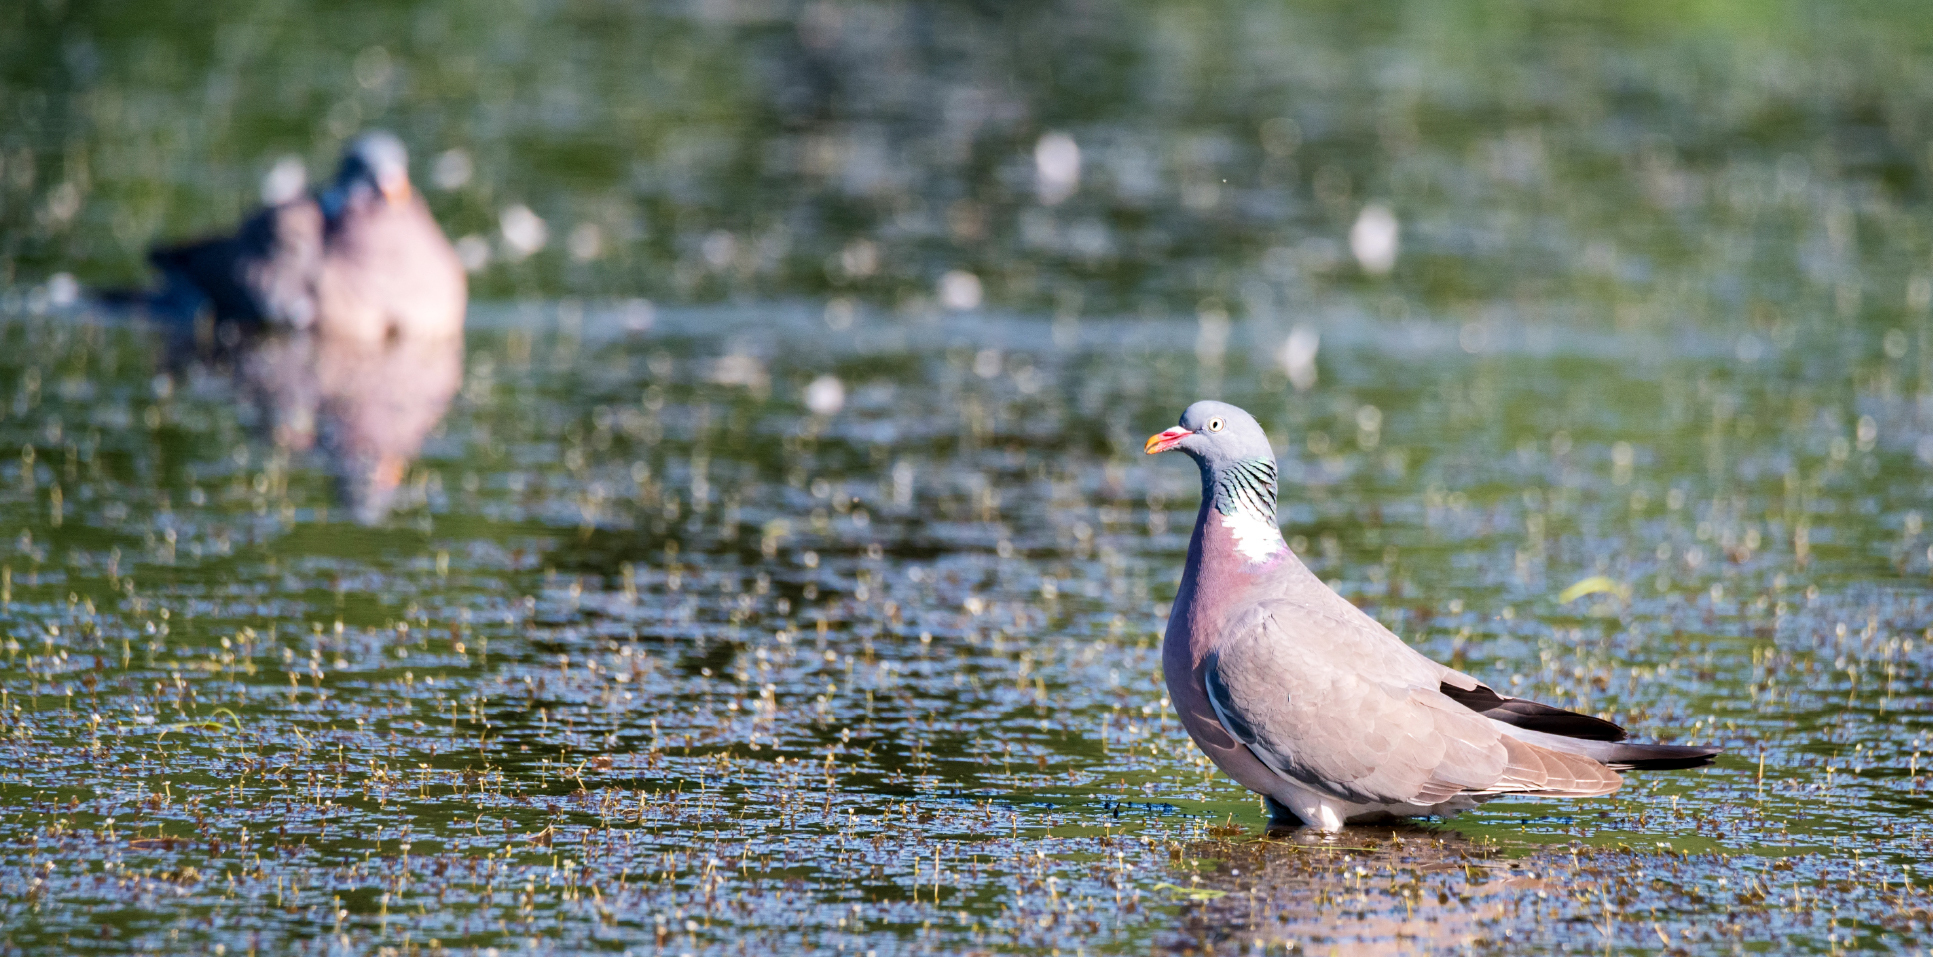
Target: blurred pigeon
(341, 314)
(1300, 696)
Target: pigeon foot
(1310, 808)
(1282, 821)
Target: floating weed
(919, 719)
(773, 628)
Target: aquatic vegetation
(679, 665)
(787, 577)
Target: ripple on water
(703, 667)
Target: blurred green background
(1638, 164)
(1630, 294)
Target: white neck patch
(1256, 538)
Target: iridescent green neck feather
(1244, 494)
(1246, 487)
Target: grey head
(1215, 434)
(375, 165)
(1237, 462)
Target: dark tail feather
(174, 307)
(122, 300)
(1568, 731)
(1658, 757)
(1532, 716)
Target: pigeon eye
(1215, 424)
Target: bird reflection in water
(340, 315)
(1396, 889)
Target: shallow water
(655, 658)
(652, 658)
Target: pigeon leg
(1314, 810)
(1281, 819)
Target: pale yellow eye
(1215, 424)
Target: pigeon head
(376, 163)
(1237, 468)
(1215, 434)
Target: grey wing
(264, 274)
(1367, 634)
(1359, 719)
(284, 263)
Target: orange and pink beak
(395, 189)
(1163, 441)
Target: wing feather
(265, 273)
(1357, 714)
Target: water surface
(655, 657)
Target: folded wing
(264, 274)
(1356, 714)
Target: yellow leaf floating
(1192, 893)
(1594, 585)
